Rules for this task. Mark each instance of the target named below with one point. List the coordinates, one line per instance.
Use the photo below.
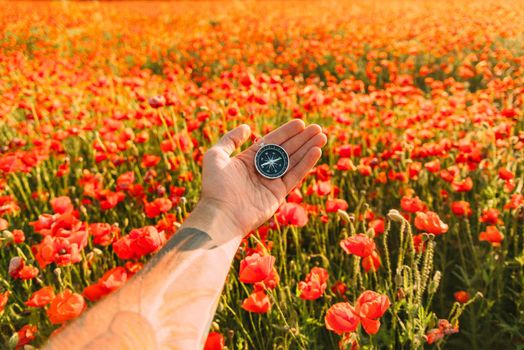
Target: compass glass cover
(271, 161)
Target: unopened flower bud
(433, 285)
(15, 265)
(394, 215)
(398, 279)
(230, 333)
(8, 236)
(519, 212)
(97, 251)
(344, 215)
(13, 341)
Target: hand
(232, 186)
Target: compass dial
(271, 161)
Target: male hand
(233, 187)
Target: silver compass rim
(260, 172)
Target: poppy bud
(394, 215)
(398, 278)
(8, 236)
(433, 285)
(13, 341)
(15, 265)
(519, 213)
(345, 216)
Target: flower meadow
(408, 234)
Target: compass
(271, 161)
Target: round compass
(271, 161)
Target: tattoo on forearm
(154, 300)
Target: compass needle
(271, 161)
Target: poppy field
(408, 233)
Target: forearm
(171, 302)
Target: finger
(318, 140)
(234, 139)
(297, 141)
(297, 173)
(285, 132)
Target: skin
(171, 302)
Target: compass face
(271, 161)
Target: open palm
(234, 184)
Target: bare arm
(171, 302)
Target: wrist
(214, 218)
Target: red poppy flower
(157, 101)
(61, 205)
(110, 281)
(341, 318)
(18, 269)
(515, 201)
(492, 235)
(378, 225)
(430, 222)
(433, 166)
(461, 208)
(18, 236)
(412, 205)
(414, 169)
(505, 174)
(125, 181)
(371, 262)
(350, 151)
(258, 302)
(491, 216)
(345, 164)
(25, 335)
(214, 341)
(65, 252)
(256, 268)
(139, 242)
(339, 288)
(41, 297)
(292, 214)
(364, 170)
(103, 234)
(370, 306)
(65, 306)
(461, 296)
(149, 161)
(444, 328)
(418, 243)
(3, 299)
(314, 285)
(333, 205)
(158, 207)
(359, 244)
(434, 335)
(295, 196)
(271, 282)
(462, 186)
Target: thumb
(234, 138)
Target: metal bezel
(261, 172)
